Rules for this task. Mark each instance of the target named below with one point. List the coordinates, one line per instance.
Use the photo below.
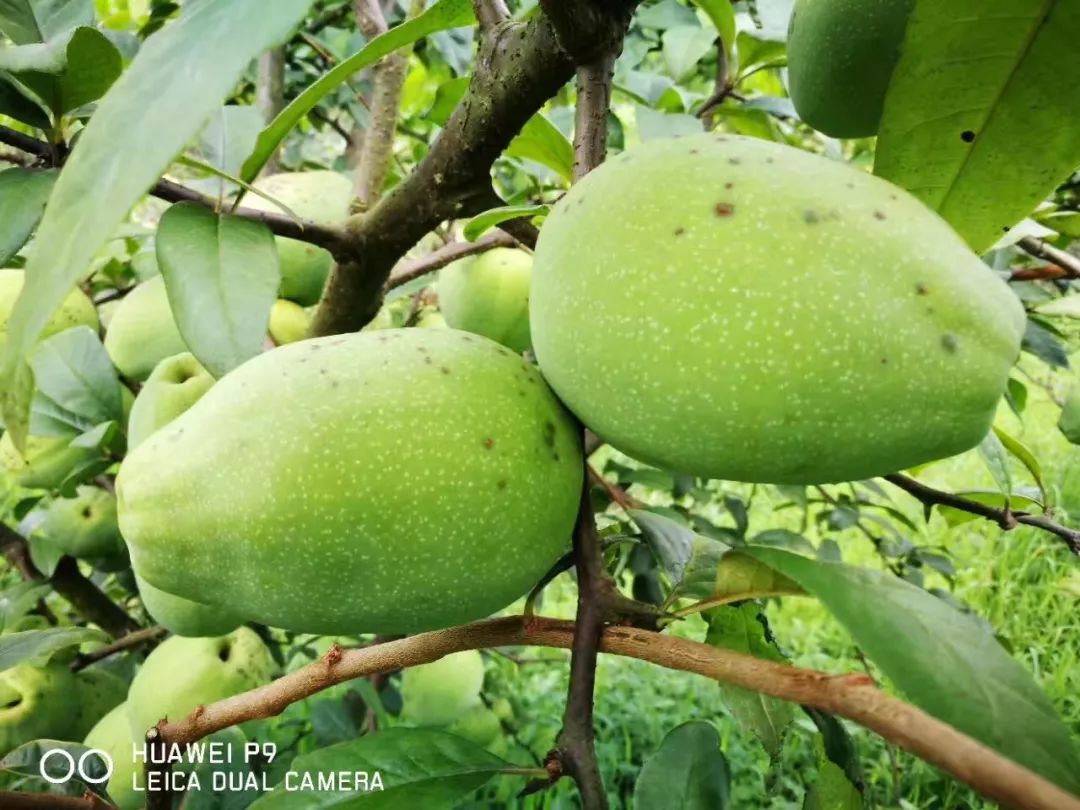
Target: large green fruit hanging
(737, 309)
(841, 56)
(389, 481)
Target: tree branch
(853, 696)
(447, 254)
(270, 92)
(138, 638)
(1040, 250)
(591, 114)
(1005, 518)
(490, 13)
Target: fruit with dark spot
(841, 56)
(83, 526)
(321, 197)
(97, 692)
(379, 488)
(489, 294)
(35, 703)
(753, 351)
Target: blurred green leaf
(23, 194)
(722, 16)
(687, 772)
(996, 459)
(540, 140)
(481, 223)
(38, 645)
(26, 21)
(74, 372)
(1016, 501)
(1066, 307)
(1021, 451)
(684, 46)
(1069, 421)
(973, 124)
(832, 790)
(18, 105)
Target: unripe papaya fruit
(84, 526)
(48, 460)
(175, 384)
(443, 691)
(321, 197)
(98, 691)
(142, 331)
(76, 309)
(183, 673)
(841, 56)
(36, 702)
(289, 322)
(183, 616)
(733, 308)
(489, 294)
(429, 476)
(114, 736)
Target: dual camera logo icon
(76, 766)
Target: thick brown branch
(490, 13)
(147, 635)
(591, 114)
(1005, 518)
(1040, 250)
(447, 254)
(852, 696)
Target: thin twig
(138, 638)
(853, 696)
(1040, 250)
(1005, 518)
(617, 494)
(415, 268)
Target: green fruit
(46, 463)
(489, 295)
(439, 693)
(430, 319)
(114, 736)
(289, 322)
(76, 309)
(183, 673)
(479, 725)
(98, 691)
(84, 526)
(142, 332)
(841, 56)
(430, 475)
(36, 702)
(321, 197)
(183, 616)
(175, 384)
(733, 308)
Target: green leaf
(222, 276)
(832, 790)
(73, 370)
(1069, 421)
(1066, 307)
(671, 543)
(93, 64)
(22, 770)
(684, 46)
(996, 459)
(687, 772)
(1021, 451)
(478, 225)
(192, 63)
(1014, 500)
(943, 660)
(742, 629)
(722, 16)
(26, 21)
(18, 105)
(23, 195)
(418, 768)
(28, 61)
(16, 397)
(18, 600)
(38, 645)
(228, 139)
(441, 15)
(541, 140)
(973, 123)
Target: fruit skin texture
(737, 309)
(183, 673)
(98, 692)
(175, 384)
(442, 692)
(183, 616)
(289, 322)
(841, 56)
(114, 736)
(43, 710)
(84, 526)
(322, 197)
(142, 331)
(429, 477)
(47, 462)
(489, 294)
(76, 309)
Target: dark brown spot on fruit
(879, 215)
(967, 136)
(488, 443)
(729, 184)
(949, 343)
(444, 369)
(734, 161)
(811, 217)
(724, 209)
(921, 289)
(680, 231)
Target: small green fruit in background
(84, 526)
(36, 702)
(489, 294)
(479, 725)
(463, 478)
(183, 673)
(841, 56)
(98, 691)
(321, 197)
(183, 616)
(47, 462)
(114, 736)
(289, 322)
(76, 310)
(142, 331)
(175, 384)
(439, 693)
(669, 315)
(431, 319)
